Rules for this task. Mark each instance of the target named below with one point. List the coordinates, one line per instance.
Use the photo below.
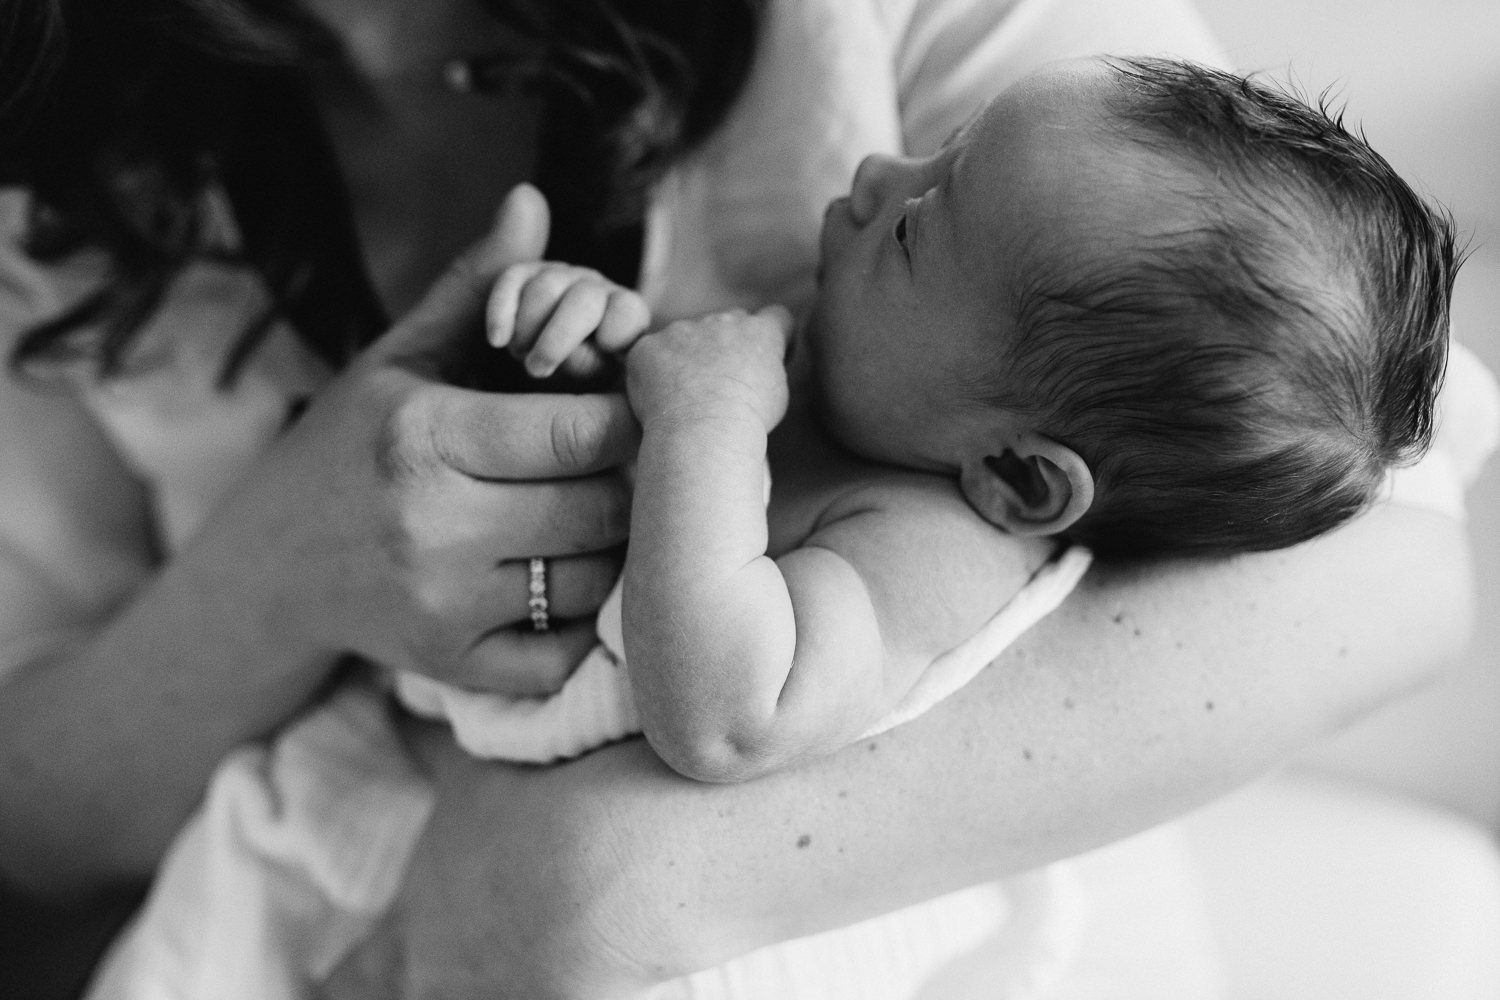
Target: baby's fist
(718, 364)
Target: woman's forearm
(109, 742)
(1149, 692)
(123, 684)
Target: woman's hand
(401, 512)
(394, 521)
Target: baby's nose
(871, 183)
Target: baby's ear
(1037, 486)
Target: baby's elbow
(716, 755)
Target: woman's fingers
(568, 516)
(510, 656)
(523, 663)
(575, 587)
(531, 436)
(478, 526)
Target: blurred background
(1422, 77)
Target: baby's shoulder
(824, 495)
(925, 517)
(902, 493)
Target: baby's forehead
(1081, 85)
(1063, 118)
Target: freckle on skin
(1343, 651)
(1136, 632)
(843, 795)
(1068, 704)
(1208, 705)
(1119, 617)
(1026, 753)
(803, 841)
(873, 746)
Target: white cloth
(299, 848)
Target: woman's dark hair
(119, 117)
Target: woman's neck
(425, 167)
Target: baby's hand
(718, 364)
(555, 315)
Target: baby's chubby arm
(560, 316)
(742, 664)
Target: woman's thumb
(453, 308)
(520, 230)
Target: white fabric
(298, 850)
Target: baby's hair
(1246, 383)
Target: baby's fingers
(586, 363)
(626, 317)
(575, 318)
(540, 298)
(505, 300)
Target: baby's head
(1155, 306)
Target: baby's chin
(843, 431)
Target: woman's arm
(384, 523)
(1147, 693)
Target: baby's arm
(560, 316)
(742, 664)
